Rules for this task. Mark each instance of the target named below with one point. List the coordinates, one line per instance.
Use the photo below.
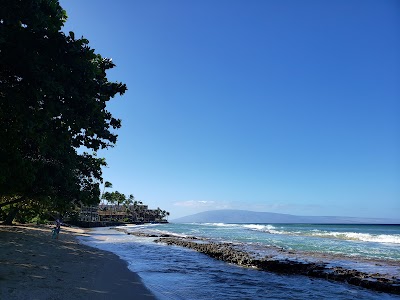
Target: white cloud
(203, 204)
(195, 203)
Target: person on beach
(54, 233)
(56, 229)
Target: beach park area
(35, 266)
(235, 150)
(166, 264)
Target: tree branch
(22, 199)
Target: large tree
(53, 95)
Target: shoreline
(228, 253)
(292, 264)
(35, 266)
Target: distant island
(245, 216)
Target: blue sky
(280, 106)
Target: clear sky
(279, 106)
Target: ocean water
(173, 272)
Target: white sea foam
(351, 236)
(256, 226)
(264, 228)
(171, 233)
(220, 224)
(355, 236)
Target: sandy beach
(35, 266)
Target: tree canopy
(53, 96)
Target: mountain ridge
(246, 216)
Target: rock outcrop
(230, 253)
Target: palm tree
(159, 214)
(135, 211)
(140, 209)
(127, 204)
(109, 197)
(107, 184)
(120, 198)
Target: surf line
(227, 252)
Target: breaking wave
(350, 236)
(354, 236)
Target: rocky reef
(230, 253)
(233, 254)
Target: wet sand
(35, 266)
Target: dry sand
(35, 266)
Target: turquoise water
(367, 241)
(173, 272)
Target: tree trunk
(11, 215)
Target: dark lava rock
(228, 253)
